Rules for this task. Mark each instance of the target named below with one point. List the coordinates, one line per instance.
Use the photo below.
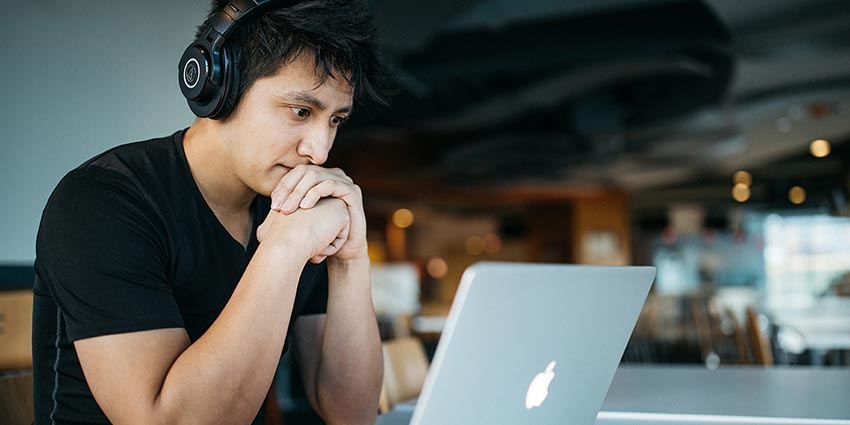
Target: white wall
(79, 77)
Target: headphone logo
(191, 71)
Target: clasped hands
(326, 207)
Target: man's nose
(316, 145)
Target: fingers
(291, 202)
(286, 184)
(305, 185)
(325, 189)
(292, 191)
(337, 243)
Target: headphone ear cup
(194, 68)
(206, 95)
(230, 88)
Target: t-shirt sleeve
(317, 299)
(103, 255)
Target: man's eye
(300, 112)
(336, 121)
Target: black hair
(339, 34)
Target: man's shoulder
(128, 172)
(136, 164)
(125, 186)
(152, 155)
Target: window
(803, 255)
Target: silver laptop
(530, 344)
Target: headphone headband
(233, 12)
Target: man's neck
(213, 172)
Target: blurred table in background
(821, 328)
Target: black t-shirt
(127, 243)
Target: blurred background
(704, 137)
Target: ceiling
(648, 97)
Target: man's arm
(156, 377)
(344, 384)
(340, 353)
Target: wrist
(343, 265)
(280, 254)
(288, 244)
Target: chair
(759, 339)
(274, 416)
(740, 339)
(16, 398)
(702, 324)
(16, 386)
(405, 368)
(722, 340)
(15, 330)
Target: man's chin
(263, 188)
(268, 185)
(266, 190)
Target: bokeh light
(797, 195)
(403, 218)
(741, 192)
(743, 177)
(474, 245)
(820, 148)
(437, 267)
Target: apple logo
(539, 388)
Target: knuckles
(280, 189)
(312, 174)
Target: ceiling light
(797, 195)
(437, 267)
(741, 192)
(403, 218)
(820, 148)
(743, 177)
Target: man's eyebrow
(311, 100)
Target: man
(171, 273)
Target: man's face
(284, 120)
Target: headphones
(208, 76)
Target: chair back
(759, 339)
(15, 330)
(16, 398)
(405, 368)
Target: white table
(820, 332)
(734, 395)
(670, 395)
(820, 328)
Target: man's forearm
(351, 367)
(225, 374)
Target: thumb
(264, 227)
